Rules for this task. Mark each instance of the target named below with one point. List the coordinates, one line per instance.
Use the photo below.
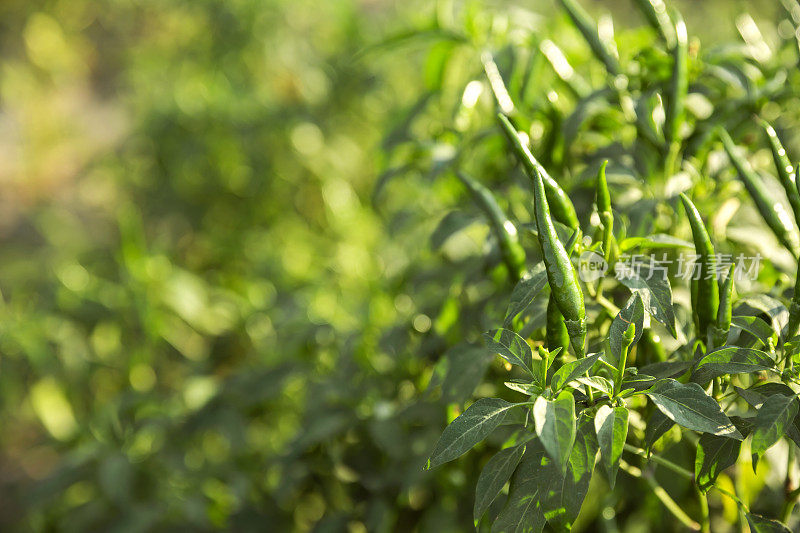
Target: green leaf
(638, 382)
(611, 425)
(689, 406)
(659, 240)
(527, 388)
(755, 326)
(524, 511)
(759, 524)
(451, 223)
(657, 425)
(731, 360)
(632, 313)
(471, 427)
(555, 425)
(573, 370)
(666, 369)
(541, 492)
(714, 454)
(758, 393)
(777, 312)
(655, 291)
(510, 347)
(597, 382)
(772, 421)
(526, 292)
(459, 371)
(493, 477)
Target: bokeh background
(211, 318)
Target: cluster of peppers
(712, 301)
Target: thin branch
(662, 495)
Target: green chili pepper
(603, 202)
(679, 85)
(794, 309)
(707, 299)
(579, 87)
(649, 349)
(655, 11)
(510, 249)
(627, 340)
(556, 331)
(771, 211)
(561, 274)
(563, 210)
(725, 311)
(784, 166)
(588, 28)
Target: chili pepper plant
(639, 265)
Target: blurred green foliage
(220, 310)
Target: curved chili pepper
(510, 249)
(679, 85)
(725, 311)
(794, 309)
(707, 299)
(561, 274)
(771, 211)
(556, 333)
(785, 170)
(655, 11)
(603, 202)
(588, 29)
(562, 207)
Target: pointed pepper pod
(772, 211)
(707, 299)
(561, 205)
(510, 249)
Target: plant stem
(702, 500)
(609, 305)
(662, 495)
(660, 460)
(790, 499)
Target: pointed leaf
(772, 421)
(714, 454)
(530, 389)
(655, 291)
(510, 347)
(611, 425)
(632, 313)
(689, 406)
(758, 393)
(777, 312)
(471, 427)
(526, 292)
(555, 425)
(638, 382)
(573, 370)
(755, 326)
(459, 371)
(731, 360)
(597, 382)
(657, 425)
(540, 492)
(759, 524)
(493, 477)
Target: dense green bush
(669, 371)
(244, 287)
